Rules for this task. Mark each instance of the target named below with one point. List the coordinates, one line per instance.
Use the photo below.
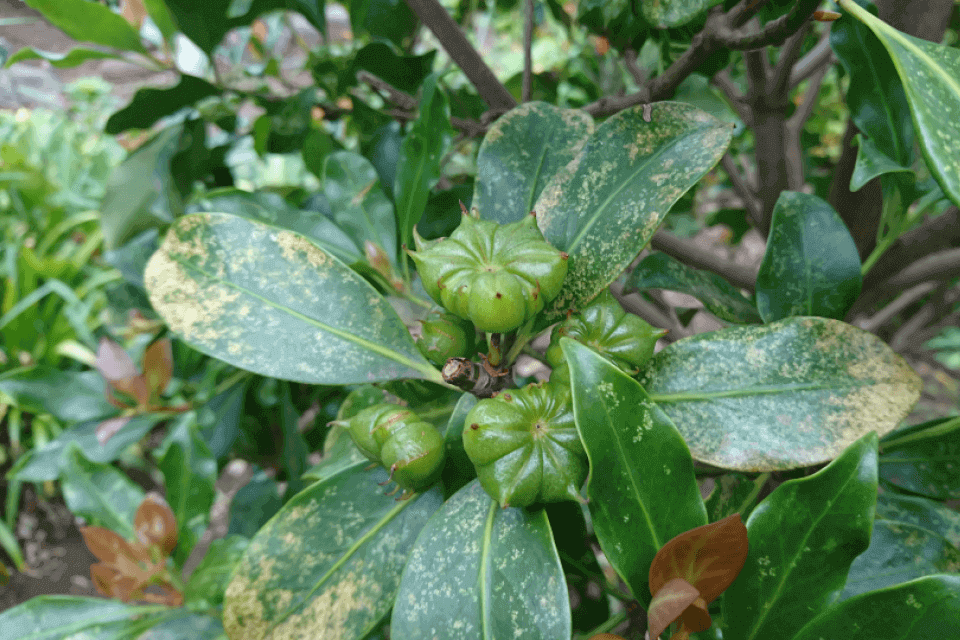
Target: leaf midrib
(349, 337)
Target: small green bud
(446, 336)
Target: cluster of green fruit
(523, 442)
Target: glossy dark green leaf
(160, 14)
(406, 73)
(924, 459)
(50, 461)
(871, 162)
(722, 299)
(333, 555)
(604, 206)
(68, 396)
(100, 493)
(293, 448)
(789, 394)
(189, 476)
(877, 102)
(220, 419)
(479, 571)
(673, 13)
(273, 209)
(418, 167)
(930, 74)
(521, 153)
(357, 202)
(803, 538)
(811, 266)
(458, 469)
(642, 491)
(912, 537)
(924, 609)
(207, 22)
(150, 104)
(66, 60)
(209, 580)
(383, 150)
(61, 617)
(141, 193)
(90, 22)
(270, 301)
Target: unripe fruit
(525, 446)
(623, 338)
(411, 449)
(496, 276)
(446, 336)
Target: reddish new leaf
(671, 600)
(155, 523)
(109, 428)
(708, 557)
(158, 366)
(113, 362)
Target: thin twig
(821, 55)
(941, 265)
(789, 53)
(448, 32)
(774, 32)
(699, 258)
(744, 190)
(886, 314)
(640, 75)
(527, 53)
(725, 83)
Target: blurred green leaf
(604, 207)
(254, 504)
(316, 321)
(803, 538)
(811, 266)
(50, 461)
(521, 153)
(160, 14)
(100, 493)
(418, 167)
(189, 476)
(150, 104)
(789, 394)
(406, 73)
(641, 490)
(673, 13)
(337, 550)
(209, 580)
(69, 59)
(390, 19)
(478, 571)
(722, 299)
(90, 22)
(358, 204)
(924, 609)
(56, 617)
(141, 193)
(733, 493)
(195, 626)
(69, 396)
